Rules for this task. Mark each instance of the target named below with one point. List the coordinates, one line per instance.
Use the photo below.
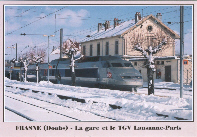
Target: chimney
(159, 16)
(107, 25)
(115, 22)
(137, 17)
(99, 26)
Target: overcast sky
(79, 21)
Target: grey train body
(106, 72)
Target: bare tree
(32, 52)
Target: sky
(78, 21)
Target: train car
(99, 71)
(14, 71)
(103, 71)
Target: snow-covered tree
(147, 51)
(32, 52)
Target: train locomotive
(99, 71)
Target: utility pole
(48, 61)
(55, 24)
(16, 51)
(10, 71)
(61, 42)
(181, 49)
(48, 52)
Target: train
(96, 71)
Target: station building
(120, 38)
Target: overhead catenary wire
(90, 17)
(125, 16)
(35, 21)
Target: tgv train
(103, 71)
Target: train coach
(103, 71)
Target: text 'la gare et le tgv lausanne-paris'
(79, 128)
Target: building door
(168, 73)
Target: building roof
(111, 32)
(123, 28)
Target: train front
(124, 76)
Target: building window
(158, 74)
(98, 49)
(107, 48)
(162, 62)
(135, 63)
(84, 50)
(150, 28)
(158, 62)
(91, 50)
(116, 47)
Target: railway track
(49, 106)
(34, 109)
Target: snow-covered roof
(53, 57)
(56, 51)
(123, 28)
(118, 30)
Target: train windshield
(128, 65)
(116, 65)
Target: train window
(61, 72)
(88, 73)
(128, 65)
(89, 59)
(116, 64)
(50, 72)
(53, 72)
(67, 73)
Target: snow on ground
(135, 106)
(10, 116)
